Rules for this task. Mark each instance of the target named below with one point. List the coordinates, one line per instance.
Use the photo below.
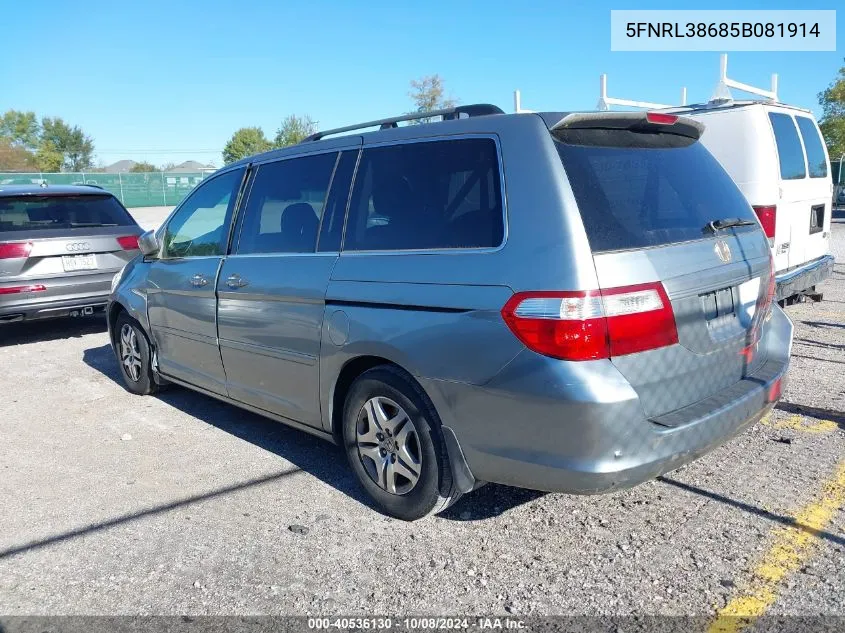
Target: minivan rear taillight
(593, 324)
(767, 216)
(12, 250)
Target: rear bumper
(531, 428)
(51, 309)
(63, 295)
(794, 281)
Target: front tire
(134, 355)
(393, 442)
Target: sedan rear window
(641, 194)
(28, 213)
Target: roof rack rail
(721, 96)
(472, 110)
(723, 92)
(605, 102)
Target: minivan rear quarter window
(32, 213)
(649, 191)
(427, 195)
(790, 154)
(816, 159)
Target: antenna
(723, 91)
(605, 102)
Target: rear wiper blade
(717, 225)
(74, 225)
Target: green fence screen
(148, 189)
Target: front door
(271, 289)
(181, 300)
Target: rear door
(271, 290)
(803, 209)
(646, 199)
(55, 248)
(818, 188)
(181, 301)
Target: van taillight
(767, 216)
(593, 324)
(12, 250)
(128, 242)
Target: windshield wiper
(717, 225)
(75, 225)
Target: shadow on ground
(50, 329)
(308, 453)
(817, 413)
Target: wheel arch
(355, 367)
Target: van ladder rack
(446, 114)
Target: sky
(171, 81)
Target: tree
(293, 130)
(832, 123)
(143, 166)
(76, 148)
(20, 128)
(428, 94)
(14, 157)
(245, 142)
(48, 158)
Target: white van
(776, 155)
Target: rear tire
(390, 430)
(134, 355)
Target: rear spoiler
(632, 121)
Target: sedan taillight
(13, 250)
(128, 242)
(13, 290)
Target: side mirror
(148, 244)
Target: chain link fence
(145, 189)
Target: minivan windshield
(643, 194)
(61, 212)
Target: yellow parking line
(791, 547)
(796, 423)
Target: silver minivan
(558, 301)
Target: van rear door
(819, 188)
(657, 207)
(803, 208)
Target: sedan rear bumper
(798, 280)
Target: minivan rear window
(816, 159)
(790, 154)
(32, 213)
(637, 197)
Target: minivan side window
(816, 159)
(285, 205)
(200, 228)
(427, 195)
(790, 154)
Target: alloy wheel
(130, 353)
(388, 445)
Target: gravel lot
(178, 504)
